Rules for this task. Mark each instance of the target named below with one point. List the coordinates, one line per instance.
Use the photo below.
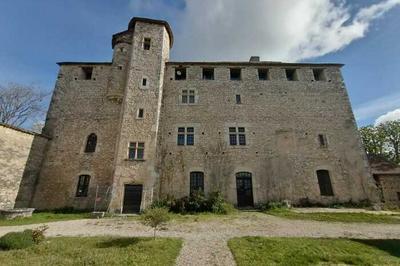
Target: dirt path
(205, 240)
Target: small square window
(232, 129)
(208, 73)
(241, 129)
(263, 74)
(238, 99)
(87, 73)
(146, 43)
(318, 74)
(291, 74)
(140, 113)
(180, 73)
(235, 73)
(144, 82)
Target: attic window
(263, 74)
(208, 73)
(87, 73)
(235, 73)
(146, 43)
(291, 74)
(180, 73)
(318, 74)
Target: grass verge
(337, 217)
(96, 251)
(314, 251)
(44, 217)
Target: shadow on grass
(122, 242)
(391, 246)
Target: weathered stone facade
(20, 156)
(284, 123)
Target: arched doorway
(244, 188)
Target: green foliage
(155, 217)
(314, 251)
(38, 234)
(16, 240)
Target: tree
(391, 131)
(373, 139)
(155, 217)
(20, 103)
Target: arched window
(91, 143)
(83, 186)
(196, 181)
(324, 182)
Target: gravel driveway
(205, 241)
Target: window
(237, 136)
(136, 150)
(146, 43)
(87, 73)
(318, 74)
(180, 73)
(83, 186)
(324, 181)
(322, 140)
(208, 73)
(291, 74)
(144, 82)
(235, 73)
(238, 99)
(188, 96)
(196, 181)
(140, 113)
(91, 143)
(185, 134)
(263, 74)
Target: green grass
(44, 217)
(337, 217)
(308, 251)
(96, 251)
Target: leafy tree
(155, 217)
(373, 139)
(391, 131)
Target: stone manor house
(121, 134)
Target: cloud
(389, 116)
(377, 107)
(284, 30)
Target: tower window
(318, 74)
(235, 73)
(83, 186)
(291, 74)
(238, 99)
(196, 181)
(180, 73)
(140, 113)
(237, 136)
(185, 134)
(188, 96)
(324, 182)
(322, 140)
(87, 73)
(263, 74)
(146, 43)
(91, 143)
(144, 82)
(136, 151)
(208, 73)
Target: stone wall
(18, 157)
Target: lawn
(337, 217)
(44, 217)
(309, 251)
(96, 251)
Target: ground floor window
(196, 181)
(324, 181)
(83, 186)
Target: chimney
(254, 59)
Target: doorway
(244, 188)
(132, 198)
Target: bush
(17, 240)
(38, 234)
(155, 217)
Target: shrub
(38, 234)
(16, 240)
(155, 217)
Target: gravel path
(205, 240)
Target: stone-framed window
(323, 143)
(136, 151)
(238, 99)
(319, 74)
(87, 73)
(83, 186)
(180, 73)
(324, 182)
(196, 182)
(208, 73)
(188, 96)
(140, 113)
(237, 136)
(263, 74)
(291, 74)
(146, 43)
(235, 74)
(185, 136)
(91, 143)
